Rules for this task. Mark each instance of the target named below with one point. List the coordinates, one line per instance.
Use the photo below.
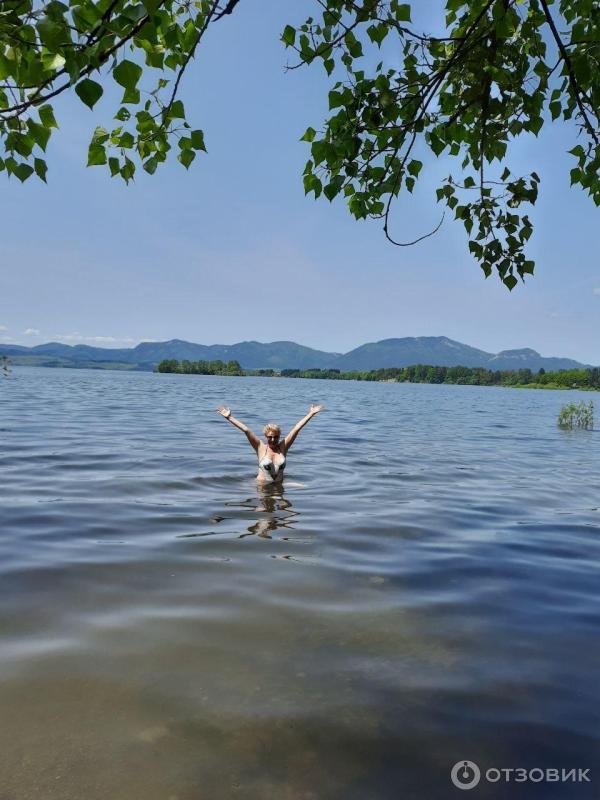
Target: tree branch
(189, 57)
(415, 241)
(35, 99)
(227, 10)
(572, 78)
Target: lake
(424, 590)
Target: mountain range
(433, 350)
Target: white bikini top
(270, 467)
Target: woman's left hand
(316, 409)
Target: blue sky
(232, 250)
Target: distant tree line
(417, 373)
(474, 376)
(217, 367)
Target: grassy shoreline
(578, 379)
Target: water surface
(423, 590)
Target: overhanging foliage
(501, 69)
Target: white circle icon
(465, 774)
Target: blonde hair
(272, 427)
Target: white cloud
(80, 338)
(596, 290)
(31, 332)
(3, 328)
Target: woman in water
(271, 455)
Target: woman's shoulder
(263, 450)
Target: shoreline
(551, 386)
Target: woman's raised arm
(290, 438)
(252, 437)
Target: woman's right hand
(226, 412)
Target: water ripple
(423, 589)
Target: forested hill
(443, 352)
(435, 350)
(147, 355)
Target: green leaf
(353, 45)
(23, 144)
(114, 166)
(415, 167)
(377, 33)
(330, 191)
(126, 140)
(134, 12)
(127, 170)
(41, 168)
(6, 67)
(476, 249)
(186, 157)
(52, 34)
(23, 171)
(131, 96)
(47, 116)
(177, 110)
(402, 12)
(312, 184)
(40, 133)
(333, 188)
(197, 138)
(150, 165)
(52, 61)
(96, 155)
(89, 92)
(535, 125)
(151, 6)
(319, 150)
(309, 135)
(127, 74)
(436, 144)
(555, 109)
(335, 100)
(510, 281)
(289, 36)
(100, 135)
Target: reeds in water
(577, 415)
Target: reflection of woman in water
(272, 453)
(280, 511)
